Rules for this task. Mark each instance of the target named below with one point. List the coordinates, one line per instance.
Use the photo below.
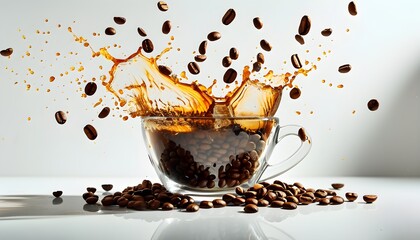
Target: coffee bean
(91, 189)
(256, 66)
(250, 194)
(226, 61)
(276, 204)
(141, 32)
(203, 47)
(351, 196)
(138, 205)
(295, 93)
(147, 45)
(119, 20)
(299, 39)
(337, 185)
(292, 199)
(57, 193)
(305, 200)
(200, 58)
(122, 202)
(110, 31)
(320, 193)
(344, 68)
(6, 52)
(335, 200)
(324, 201)
(265, 45)
(250, 208)
(206, 204)
(289, 205)
(295, 61)
(238, 201)
(104, 112)
(163, 6)
(90, 132)
(167, 206)
(87, 195)
(263, 203)
(90, 88)
(260, 58)
(373, 105)
(228, 197)
(213, 36)
(107, 187)
(166, 27)
(251, 201)
(107, 201)
(91, 200)
(218, 203)
(303, 137)
(192, 207)
(164, 70)
(257, 23)
(233, 53)
(153, 204)
(326, 32)
(60, 117)
(239, 190)
(193, 68)
(230, 75)
(304, 26)
(331, 193)
(352, 9)
(369, 198)
(229, 16)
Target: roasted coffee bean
(369, 198)
(184, 203)
(275, 187)
(122, 202)
(305, 200)
(90, 132)
(336, 200)
(238, 201)
(147, 45)
(351, 196)
(213, 36)
(90, 88)
(166, 27)
(320, 193)
(92, 200)
(256, 66)
(107, 187)
(251, 201)
(250, 194)
(289, 205)
(110, 31)
(331, 193)
(57, 194)
(292, 199)
(6, 52)
(192, 208)
(270, 196)
(203, 47)
(163, 6)
(226, 61)
(139, 205)
(304, 26)
(250, 208)
(167, 206)
(373, 105)
(260, 58)
(206, 204)
(165, 70)
(141, 32)
(302, 134)
(200, 58)
(91, 189)
(219, 203)
(229, 16)
(299, 39)
(87, 195)
(257, 23)
(262, 192)
(257, 186)
(324, 201)
(233, 53)
(295, 61)
(295, 93)
(193, 68)
(344, 68)
(104, 112)
(107, 201)
(240, 190)
(265, 45)
(276, 204)
(326, 32)
(352, 9)
(263, 203)
(60, 117)
(230, 75)
(119, 20)
(153, 204)
(117, 193)
(337, 185)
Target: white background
(382, 45)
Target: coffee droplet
(147, 45)
(203, 47)
(193, 68)
(6, 52)
(302, 134)
(163, 6)
(164, 70)
(104, 112)
(60, 117)
(296, 62)
(90, 88)
(326, 32)
(265, 45)
(166, 27)
(213, 36)
(344, 68)
(295, 93)
(141, 32)
(304, 26)
(373, 105)
(229, 16)
(110, 31)
(90, 132)
(119, 20)
(257, 23)
(352, 9)
(230, 75)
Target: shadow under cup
(210, 156)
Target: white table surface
(29, 211)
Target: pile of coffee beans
(154, 196)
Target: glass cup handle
(273, 170)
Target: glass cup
(205, 156)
